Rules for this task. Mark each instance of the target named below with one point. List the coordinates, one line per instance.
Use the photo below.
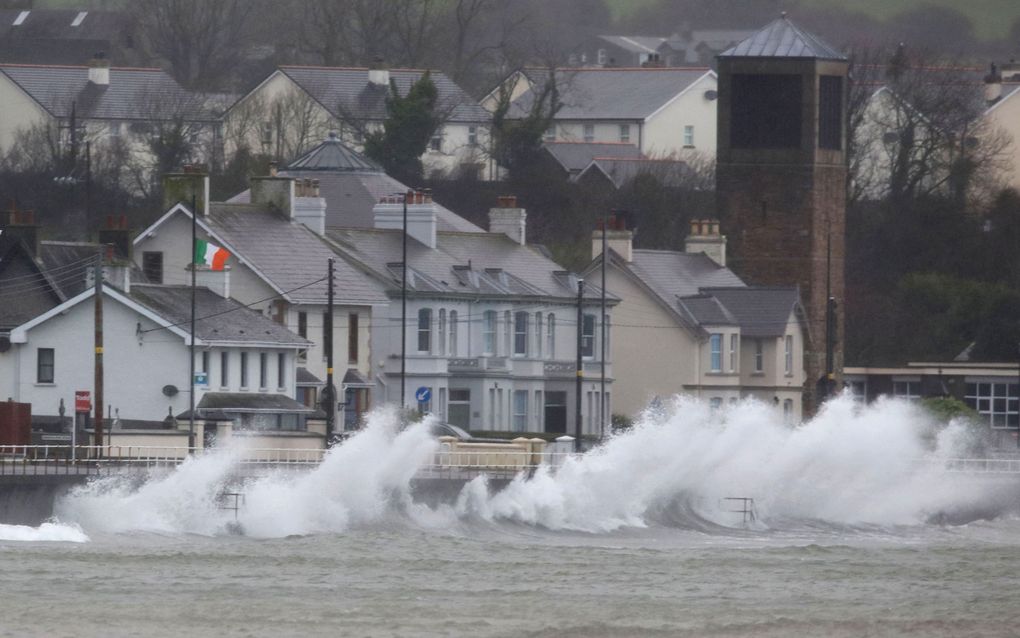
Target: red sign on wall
(82, 401)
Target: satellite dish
(5, 344)
(170, 390)
(711, 94)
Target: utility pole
(580, 366)
(98, 407)
(191, 341)
(403, 309)
(330, 390)
(605, 327)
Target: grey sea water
(511, 581)
(861, 531)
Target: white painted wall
(664, 130)
(20, 112)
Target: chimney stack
(274, 192)
(379, 73)
(706, 238)
(309, 206)
(178, 188)
(618, 238)
(508, 219)
(422, 215)
(20, 225)
(993, 85)
(115, 233)
(217, 281)
(99, 70)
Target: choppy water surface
(629, 541)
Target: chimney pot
(273, 169)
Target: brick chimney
(99, 70)
(178, 188)
(422, 215)
(19, 225)
(115, 233)
(618, 238)
(379, 73)
(706, 238)
(508, 219)
(309, 205)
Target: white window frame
(625, 133)
(424, 331)
(441, 332)
(587, 327)
(436, 141)
(520, 341)
(734, 350)
(715, 352)
(588, 130)
(452, 343)
(538, 335)
(520, 414)
(689, 136)
(788, 355)
(489, 332)
(550, 336)
(759, 355)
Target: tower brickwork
(781, 178)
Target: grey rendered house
(491, 322)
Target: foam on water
(849, 465)
(47, 532)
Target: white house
(278, 267)
(115, 109)
(491, 323)
(686, 324)
(297, 106)
(662, 111)
(246, 363)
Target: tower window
(766, 111)
(830, 112)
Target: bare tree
(917, 129)
(201, 40)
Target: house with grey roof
(245, 362)
(351, 185)
(490, 329)
(279, 267)
(66, 36)
(686, 324)
(118, 110)
(664, 112)
(698, 47)
(615, 51)
(296, 106)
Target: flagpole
(191, 347)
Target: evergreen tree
(410, 122)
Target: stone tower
(781, 177)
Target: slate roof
(334, 156)
(251, 402)
(620, 171)
(673, 274)
(345, 91)
(225, 319)
(634, 43)
(576, 156)
(610, 93)
(352, 185)
(25, 290)
(288, 254)
(783, 39)
(761, 311)
(69, 263)
(133, 94)
(706, 310)
(57, 24)
(489, 265)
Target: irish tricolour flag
(210, 255)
